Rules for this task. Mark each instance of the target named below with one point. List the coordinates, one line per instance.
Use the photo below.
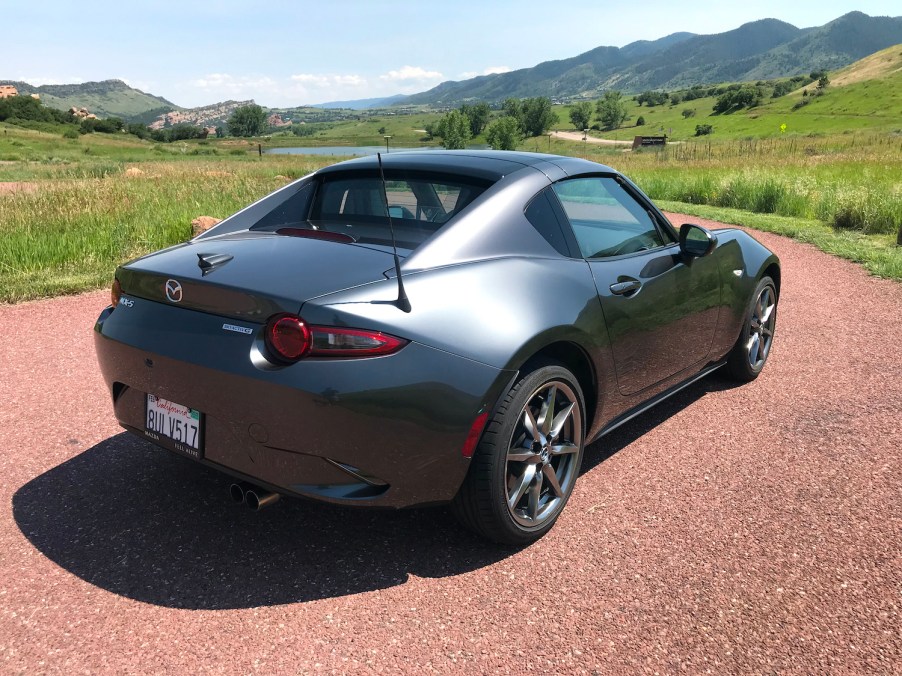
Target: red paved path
(749, 529)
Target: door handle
(626, 288)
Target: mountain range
(758, 50)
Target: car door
(660, 308)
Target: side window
(606, 220)
(543, 217)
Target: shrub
(640, 121)
(703, 129)
(688, 112)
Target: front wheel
(753, 346)
(526, 464)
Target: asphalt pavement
(750, 529)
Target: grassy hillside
(850, 103)
(109, 98)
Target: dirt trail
(578, 136)
(750, 529)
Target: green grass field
(833, 179)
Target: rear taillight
(289, 339)
(330, 341)
(116, 293)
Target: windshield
(352, 205)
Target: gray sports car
(427, 328)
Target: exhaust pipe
(238, 491)
(257, 498)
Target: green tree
(26, 108)
(454, 130)
(736, 99)
(512, 107)
(640, 121)
(220, 132)
(478, 114)
(652, 98)
(611, 110)
(536, 116)
(823, 82)
(247, 120)
(504, 133)
(581, 115)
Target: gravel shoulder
(732, 529)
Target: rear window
(353, 205)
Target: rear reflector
(116, 293)
(475, 432)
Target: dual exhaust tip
(253, 496)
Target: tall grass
(86, 215)
(849, 182)
(873, 208)
(71, 234)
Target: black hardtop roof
(492, 165)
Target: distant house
(275, 120)
(7, 91)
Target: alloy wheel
(542, 459)
(761, 328)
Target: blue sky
(287, 54)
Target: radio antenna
(403, 303)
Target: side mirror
(696, 241)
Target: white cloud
(491, 70)
(223, 82)
(349, 80)
(315, 80)
(318, 87)
(408, 73)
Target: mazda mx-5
(430, 327)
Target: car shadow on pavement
(155, 527)
(613, 442)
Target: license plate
(179, 425)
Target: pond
(345, 151)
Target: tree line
(515, 120)
(518, 119)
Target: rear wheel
(526, 464)
(753, 346)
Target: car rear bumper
(385, 431)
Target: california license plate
(178, 426)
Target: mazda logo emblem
(173, 291)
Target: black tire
(509, 454)
(752, 348)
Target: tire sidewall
(740, 357)
(525, 387)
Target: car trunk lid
(251, 275)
